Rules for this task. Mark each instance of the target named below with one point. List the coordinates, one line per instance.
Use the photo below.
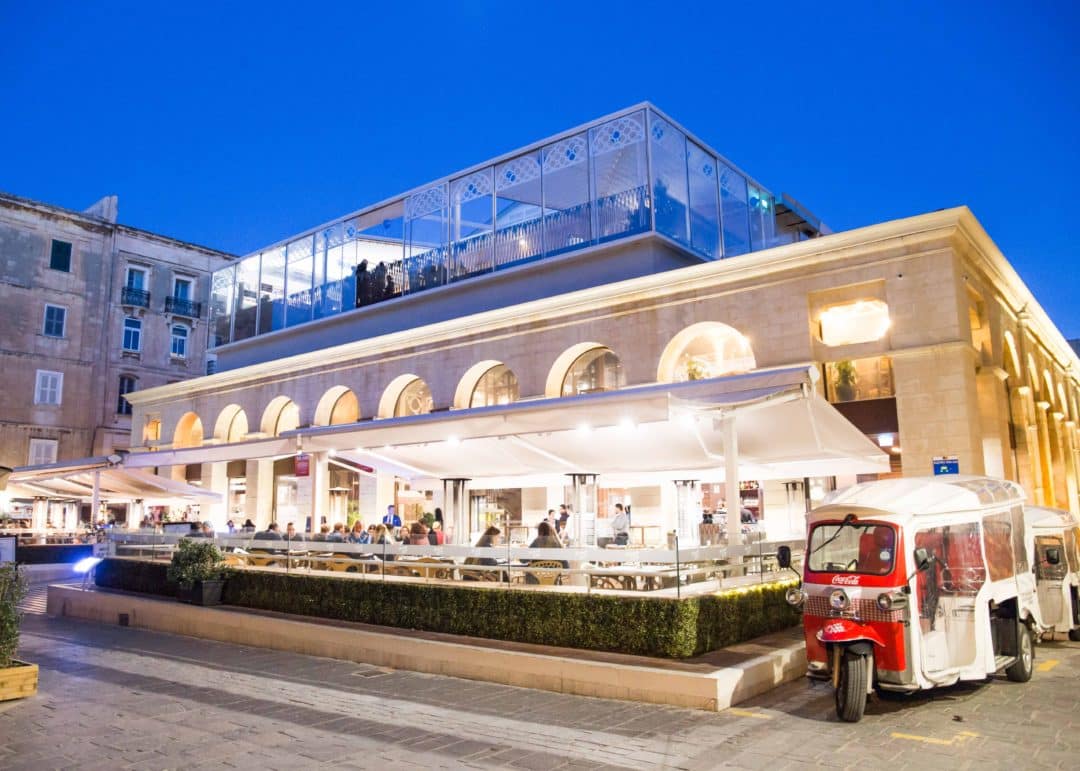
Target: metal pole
(678, 573)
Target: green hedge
(648, 626)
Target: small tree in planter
(17, 678)
(198, 572)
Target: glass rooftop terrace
(622, 175)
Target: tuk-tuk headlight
(795, 596)
(888, 601)
(838, 600)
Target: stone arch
(231, 425)
(413, 389)
(337, 406)
(281, 414)
(189, 431)
(704, 350)
(1012, 359)
(464, 396)
(576, 355)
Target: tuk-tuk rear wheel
(1022, 669)
(1074, 635)
(851, 687)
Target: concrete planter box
(18, 681)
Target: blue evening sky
(234, 126)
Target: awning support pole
(456, 514)
(731, 480)
(95, 500)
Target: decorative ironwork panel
(426, 202)
(568, 152)
(517, 172)
(619, 133)
(474, 186)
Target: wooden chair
(546, 572)
(444, 571)
(263, 559)
(393, 569)
(496, 576)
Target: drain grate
(379, 672)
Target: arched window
(282, 414)
(598, 369)
(706, 350)
(232, 424)
(337, 406)
(189, 431)
(414, 399)
(499, 385)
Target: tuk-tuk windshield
(852, 548)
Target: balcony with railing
(136, 298)
(181, 306)
(624, 175)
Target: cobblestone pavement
(114, 698)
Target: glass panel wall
(221, 305)
(247, 302)
(426, 234)
(620, 177)
(670, 194)
(272, 291)
(704, 201)
(519, 211)
(762, 222)
(734, 211)
(472, 223)
(379, 244)
(336, 291)
(567, 218)
(299, 281)
(583, 189)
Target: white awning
(115, 483)
(637, 435)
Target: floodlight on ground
(85, 565)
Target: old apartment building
(90, 309)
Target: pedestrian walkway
(113, 697)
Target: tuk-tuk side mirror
(922, 559)
(1053, 556)
(783, 557)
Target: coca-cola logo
(834, 628)
(846, 580)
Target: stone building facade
(90, 309)
(945, 350)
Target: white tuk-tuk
(917, 583)
(1057, 568)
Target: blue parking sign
(948, 464)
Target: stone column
(215, 479)
(688, 512)
(456, 512)
(39, 513)
(259, 495)
(1047, 464)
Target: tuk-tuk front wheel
(851, 687)
(1021, 670)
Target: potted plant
(844, 384)
(198, 572)
(17, 678)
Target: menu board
(7, 548)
